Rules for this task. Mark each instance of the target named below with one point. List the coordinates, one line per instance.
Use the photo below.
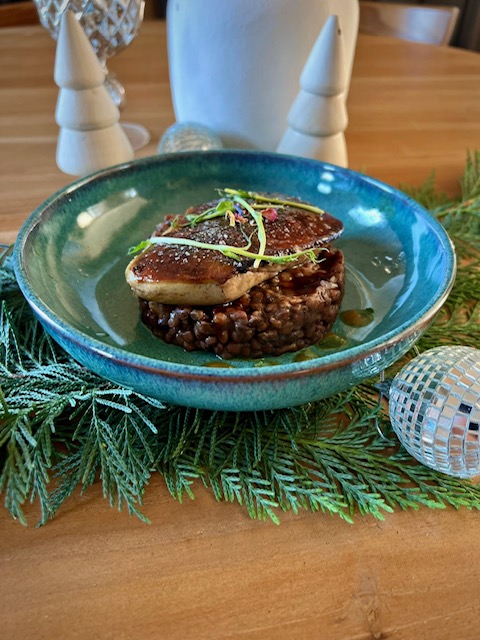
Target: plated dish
(246, 275)
(71, 255)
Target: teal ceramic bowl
(71, 254)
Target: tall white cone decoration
(90, 137)
(318, 117)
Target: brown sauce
(305, 354)
(217, 365)
(357, 317)
(332, 341)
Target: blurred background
(467, 32)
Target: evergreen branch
(427, 194)
(63, 428)
(470, 182)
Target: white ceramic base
(85, 109)
(318, 115)
(332, 149)
(82, 152)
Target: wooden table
(204, 570)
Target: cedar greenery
(62, 427)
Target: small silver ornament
(434, 406)
(188, 136)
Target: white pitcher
(235, 64)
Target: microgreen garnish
(229, 251)
(235, 206)
(273, 200)
(213, 212)
(262, 236)
(230, 216)
(141, 246)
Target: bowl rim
(148, 365)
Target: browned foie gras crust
(176, 274)
(292, 310)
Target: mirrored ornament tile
(379, 360)
(435, 409)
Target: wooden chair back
(426, 23)
(17, 14)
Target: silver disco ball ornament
(188, 136)
(434, 406)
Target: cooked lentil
(289, 312)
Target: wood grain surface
(205, 570)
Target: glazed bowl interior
(72, 252)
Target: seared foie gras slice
(184, 274)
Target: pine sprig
(62, 428)
(461, 218)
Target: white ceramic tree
(318, 117)
(90, 136)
